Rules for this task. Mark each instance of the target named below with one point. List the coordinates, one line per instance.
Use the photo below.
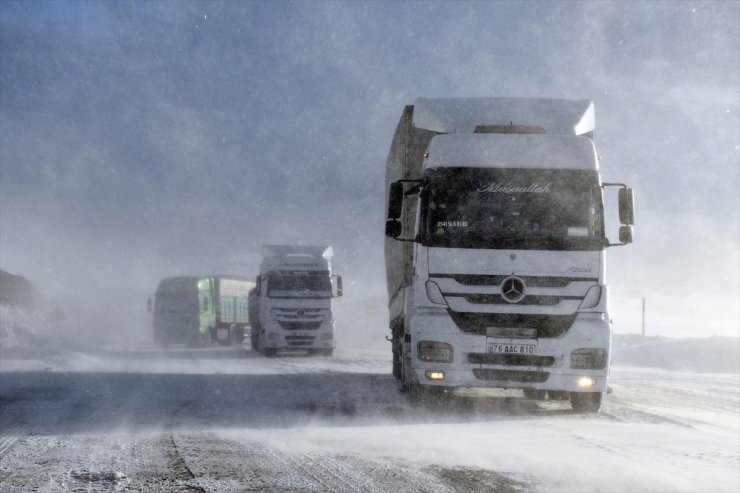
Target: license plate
(511, 348)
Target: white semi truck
(495, 248)
(291, 305)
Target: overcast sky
(140, 140)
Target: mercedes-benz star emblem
(512, 289)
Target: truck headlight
(439, 352)
(588, 359)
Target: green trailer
(197, 311)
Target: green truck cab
(198, 311)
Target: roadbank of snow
(705, 354)
(654, 434)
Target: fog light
(588, 359)
(439, 352)
(435, 375)
(586, 382)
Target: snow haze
(148, 139)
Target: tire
(585, 402)
(254, 337)
(327, 352)
(269, 352)
(236, 335)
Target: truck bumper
(279, 338)
(548, 367)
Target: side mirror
(337, 288)
(393, 228)
(625, 234)
(395, 200)
(626, 207)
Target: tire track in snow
(9, 439)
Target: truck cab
(495, 250)
(291, 305)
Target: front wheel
(236, 335)
(585, 402)
(254, 337)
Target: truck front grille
(299, 318)
(511, 359)
(531, 281)
(511, 375)
(299, 340)
(299, 325)
(545, 325)
(497, 299)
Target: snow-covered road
(229, 420)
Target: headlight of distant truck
(432, 351)
(588, 359)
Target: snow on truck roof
(463, 115)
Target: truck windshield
(174, 301)
(299, 285)
(513, 208)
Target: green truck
(198, 311)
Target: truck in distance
(291, 305)
(495, 248)
(197, 311)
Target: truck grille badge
(512, 289)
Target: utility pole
(643, 316)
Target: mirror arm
(605, 184)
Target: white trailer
(495, 248)
(291, 306)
